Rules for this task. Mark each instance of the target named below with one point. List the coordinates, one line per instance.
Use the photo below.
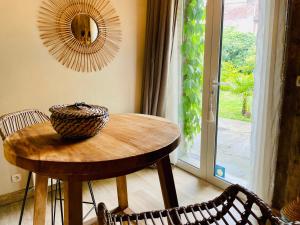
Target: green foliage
(237, 46)
(193, 55)
(238, 61)
(240, 82)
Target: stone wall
(287, 180)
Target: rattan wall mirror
(83, 35)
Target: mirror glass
(84, 29)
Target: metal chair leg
(58, 192)
(52, 209)
(25, 197)
(55, 197)
(94, 207)
(58, 189)
(92, 196)
(61, 205)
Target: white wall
(31, 78)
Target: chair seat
(236, 205)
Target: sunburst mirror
(83, 35)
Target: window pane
(236, 90)
(192, 50)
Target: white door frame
(211, 99)
(201, 172)
(213, 32)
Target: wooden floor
(144, 194)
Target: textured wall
(287, 181)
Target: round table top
(129, 142)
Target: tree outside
(238, 62)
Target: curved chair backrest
(12, 122)
(235, 206)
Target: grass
(231, 106)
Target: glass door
(200, 54)
(231, 91)
(218, 60)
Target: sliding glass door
(218, 52)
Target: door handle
(211, 115)
(218, 84)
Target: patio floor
(233, 150)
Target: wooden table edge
(150, 157)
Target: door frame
(212, 71)
(213, 36)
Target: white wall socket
(16, 178)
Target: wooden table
(129, 142)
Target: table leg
(40, 200)
(73, 202)
(167, 182)
(122, 192)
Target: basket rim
(72, 111)
(55, 117)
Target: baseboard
(15, 196)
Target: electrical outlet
(16, 178)
(298, 81)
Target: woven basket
(79, 120)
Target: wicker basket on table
(236, 205)
(79, 120)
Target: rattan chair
(235, 205)
(11, 123)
